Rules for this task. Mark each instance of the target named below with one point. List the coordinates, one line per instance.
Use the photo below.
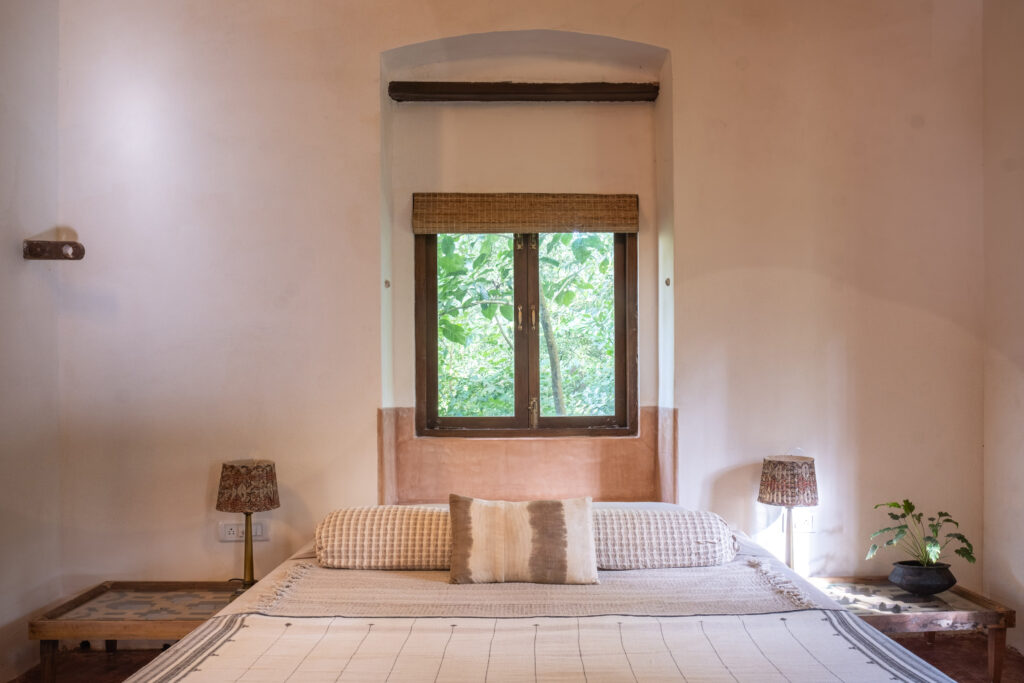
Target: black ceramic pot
(914, 578)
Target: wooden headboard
(415, 469)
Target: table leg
(929, 637)
(996, 652)
(110, 645)
(48, 660)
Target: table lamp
(789, 481)
(247, 486)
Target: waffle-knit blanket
(748, 585)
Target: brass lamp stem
(789, 537)
(248, 580)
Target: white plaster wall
(222, 162)
(829, 263)
(1004, 359)
(520, 147)
(30, 483)
(542, 147)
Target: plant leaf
(452, 332)
(871, 551)
(963, 539)
(565, 297)
(452, 264)
(966, 554)
(889, 529)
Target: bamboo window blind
(463, 212)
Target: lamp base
(248, 579)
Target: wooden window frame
(527, 349)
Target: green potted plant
(924, 542)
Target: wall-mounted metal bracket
(53, 250)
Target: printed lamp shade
(788, 480)
(247, 486)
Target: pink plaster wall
(30, 552)
(1004, 360)
(223, 163)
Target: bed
(745, 619)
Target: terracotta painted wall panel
(427, 469)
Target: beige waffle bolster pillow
(643, 538)
(385, 537)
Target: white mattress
(281, 631)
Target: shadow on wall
(743, 512)
(57, 233)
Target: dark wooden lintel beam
(459, 91)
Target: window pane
(577, 323)
(475, 342)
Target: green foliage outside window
(577, 315)
(475, 350)
(476, 317)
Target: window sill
(547, 433)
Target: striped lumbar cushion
(634, 538)
(385, 537)
(540, 541)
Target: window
(525, 333)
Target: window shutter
(461, 212)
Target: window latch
(534, 413)
(533, 317)
(519, 311)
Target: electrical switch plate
(229, 532)
(802, 523)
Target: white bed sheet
(810, 640)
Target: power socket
(229, 532)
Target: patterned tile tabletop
(117, 605)
(865, 599)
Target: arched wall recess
(527, 147)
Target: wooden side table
(891, 609)
(127, 610)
